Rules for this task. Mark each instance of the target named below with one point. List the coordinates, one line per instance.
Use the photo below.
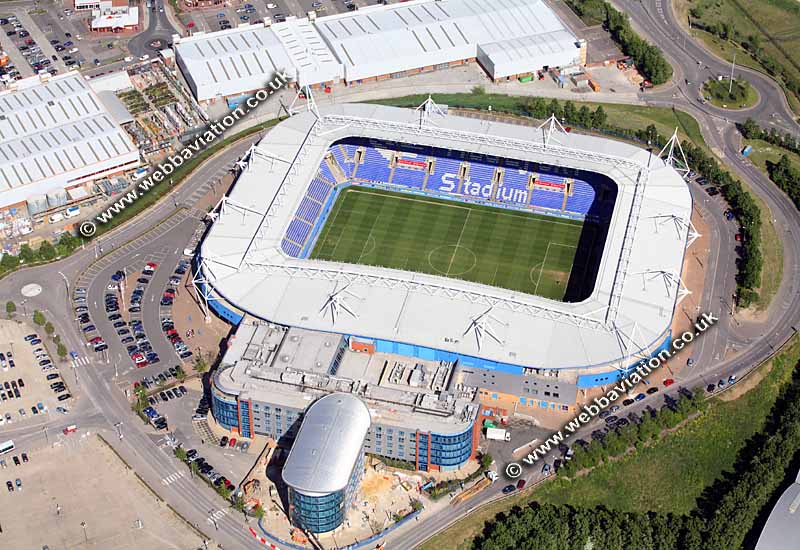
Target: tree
(26, 254)
(49, 328)
(180, 454)
(46, 251)
(599, 118)
(11, 308)
(61, 350)
(194, 469)
(555, 109)
(200, 364)
(180, 375)
(9, 262)
(258, 512)
(39, 318)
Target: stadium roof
(385, 39)
(240, 60)
(53, 133)
(782, 529)
(628, 312)
(328, 445)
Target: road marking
(172, 478)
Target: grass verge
(667, 476)
(157, 192)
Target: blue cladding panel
(592, 380)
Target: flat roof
(380, 40)
(289, 367)
(629, 311)
(328, 445)
(51, 132)
(243, 59)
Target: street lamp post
(85, 536)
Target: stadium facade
(508, 38)
(326, 463)
(431, 355)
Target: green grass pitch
(509, 249)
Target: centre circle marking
(456, 249)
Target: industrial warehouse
(509, 39)
(57, 136)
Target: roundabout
(734, 96)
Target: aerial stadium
(429, 235)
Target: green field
(515, 250)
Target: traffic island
(733, 95)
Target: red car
(152, 265)
(521, 484)
(668, 382)
(232, 442)
(96, 340)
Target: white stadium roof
(509, 37)
(55, 133)
(629, 310)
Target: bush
(39, 318)
(11, 308)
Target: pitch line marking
(458, 243)
(502, 211)
(544, 261)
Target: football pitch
(515, 250)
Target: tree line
(744, 207)
(782, 173)
(648, 58)
(640, 432)
(727, 514)
(46, 252)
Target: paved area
(35, 388)
(80, 480)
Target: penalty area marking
(544, 262)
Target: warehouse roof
(242, 59)
(53, 127)
(328, 445)
(428, 32)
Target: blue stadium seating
(512, 188)
(298, 231)
(325, 172)
(407, 177)
(291, 249)
(375, 167)
(318, 190)
(308, 209)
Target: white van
(72, 211)
(55, 218)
